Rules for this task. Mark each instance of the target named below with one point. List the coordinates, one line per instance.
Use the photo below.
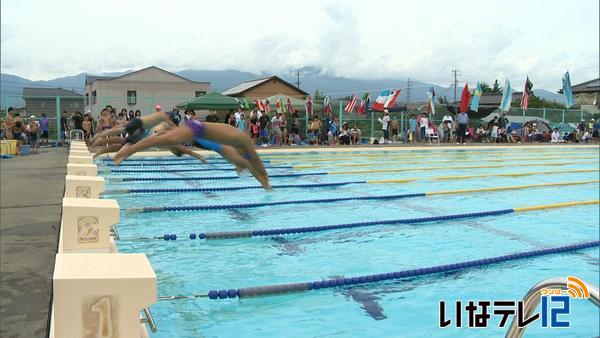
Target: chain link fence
(368, 123)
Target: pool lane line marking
(380, 164)
(300, 159)
(330, 184)
(219, 235)
(449, 167)
(353, 198)
(193, 162)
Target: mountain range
(311, 79)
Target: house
(141, 90)
(492, 100)
(265, 87)
(44, 100)
(587, 94)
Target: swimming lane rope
(276, 289)
(321, 228)
(352, 198)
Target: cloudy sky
(362, 39)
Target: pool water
(404, 307)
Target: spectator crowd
(276, 129)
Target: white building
(141, 90)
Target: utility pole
(408, 90)
(455, 73)
(298, 78)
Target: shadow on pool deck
(32, 188)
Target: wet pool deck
(32, 188)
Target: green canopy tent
(211, 101)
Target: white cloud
(424, 40)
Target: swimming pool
(401, 307)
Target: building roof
(89, 79)
(245, 86)
(588, 86)
(493, 99)
(30, 91)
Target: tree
(485, 88)
(496, 87)
(318, 95)
(538, 102)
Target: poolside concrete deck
(32, 188)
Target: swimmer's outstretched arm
(153, 119)
(109, 132)
(173, 137)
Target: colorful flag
(431, 101)
(476, 96)
(380, 101)
(506, 96)
(259, 105)
(280, 105)
(290, 107)
(567, 91)
(351, 104)
(309, 106)
(465, 97)
(327, 104)
(267, 106)
(526, 93)
(386, 99)
(364, 103)
(391, 99)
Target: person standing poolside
(423, 125)
(64, 127)
(104, 122)
(394, 127)
(254, 128)
(87, 128)
(411, 133)
(32, 130)
(463, 124)
(276, 124)
(263, 122)
(212, 117)
(241, 124)
(44, 129)
(385, 122)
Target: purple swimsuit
(196, 126)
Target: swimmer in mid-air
(228, 141)
(112, 140)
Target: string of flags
(387, 98)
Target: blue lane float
(268, 290)
(149, 171)
(203, 178)
(320, 228)
(212, 189)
